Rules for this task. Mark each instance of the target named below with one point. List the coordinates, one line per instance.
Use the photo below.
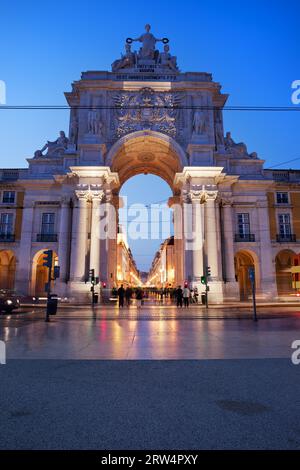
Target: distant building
(127, 272)
(162, 271)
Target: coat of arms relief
(146, 109)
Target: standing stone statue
(219, 129)
(95, 125)
(199, 122)
(147, 51)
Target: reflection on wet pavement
(77, 334)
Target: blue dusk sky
(250, 47)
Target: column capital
(97, 195)
(82, 194)
(194, 194)
(210, 196)
(89, 195)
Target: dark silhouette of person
(186, 295)
(179, 296)
(139, 297)
(128, 295)
(121, 294)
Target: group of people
(182, 297)
(127, 295)
(186, 296)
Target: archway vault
(146, 152)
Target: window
(243, 222)
(9, 197)
(282, 198)
(48, 223)
(6, 224)
(284, 225)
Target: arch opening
(39, 276)
(145, 223)
(146, 152)
(244, 260)
(284, 261)
(7, 269)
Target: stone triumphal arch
(145, 116)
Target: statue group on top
(145, 109)
(147, 55)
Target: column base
(231, 291)
(60, 288)
(215, 293)
(78, 292)
(267, 291)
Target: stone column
(197, 214)
(95, 232)
(79, 237)
(231, 287)
(212, 251)
(193, 236)
(212, 247)
(64, 240)
(111, 210)
(266, 275)
(175, 203)
(24, 265)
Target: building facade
(162, 271)
(146, 116)
(127, 273)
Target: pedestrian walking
(121, 294)
(139, 297)
(128, 295)
(186, 296)
(179, 295)
(196, 295)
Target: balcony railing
(7, 237)
(46, 237)
(286, 238)
(244, 237)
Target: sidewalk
(225, 305)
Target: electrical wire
(173, 108)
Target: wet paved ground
(147, 334)
(227, 383)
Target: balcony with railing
(244, 237)
(7, 237)
(46, 237)
(286, 238)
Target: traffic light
(56, 272)
(47, 259)
(208, 271)
(203, 280)
(92, 275)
